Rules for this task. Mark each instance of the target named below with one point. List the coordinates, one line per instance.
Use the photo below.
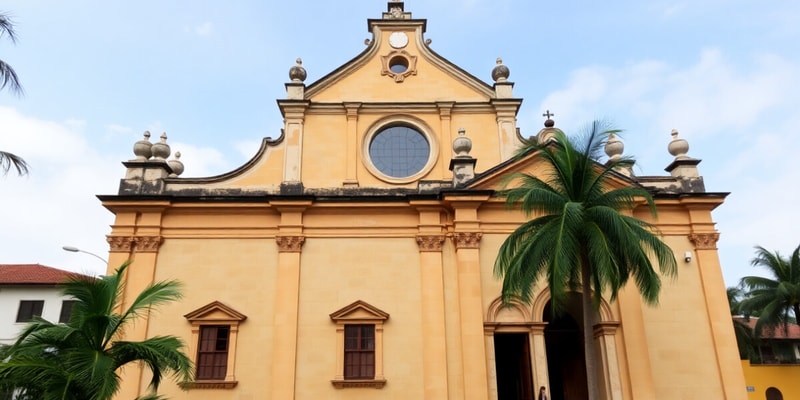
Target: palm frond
(9, 161)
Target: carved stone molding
(120, 244)
(358, 383)
(704, 241)
(290, 244)
(605, 328)
(430, 242)
(147, 244)
(209, 385)
(467, 240)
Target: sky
(96, 74)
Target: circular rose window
(399, 151)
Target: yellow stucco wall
(759, 378)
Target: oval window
(399, 151)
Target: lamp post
(77, 250)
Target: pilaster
(605, 340)
(352, 153)
(466, 238)
(294, 118)
(719, 317)
(290, 241)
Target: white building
(29, 290)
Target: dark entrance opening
(513, 365)
(566, 364)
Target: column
(287, 292)
(605, 341)
(640, 371)
(352, 155)
(471, 310)
(294, 117)
(467, 237)
(507, 126)
(434, 343)
(140, 247)
(719, 317)
(446, 136)
(539, 356)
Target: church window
(398, 64)
(215, 329)
(399, 151)
(359, 352)
(359, 348)
(212, 352)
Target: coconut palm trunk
(588, 330)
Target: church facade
(352, 257)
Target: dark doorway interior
(513, 365)
(566, 364)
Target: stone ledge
(358, 383)
(210, 385)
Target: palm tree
(8, 78)
(744, 334)
(80, 360)
(776, 302)
(580, 236)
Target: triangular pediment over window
(215, 312)
(359, 312)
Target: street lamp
(77, 250)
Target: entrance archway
(605, 341)
(566, 364)
(513, 365)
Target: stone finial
(297, 73)
(142, 148)
(176, 165)
(683, 166)
(614, 147)
(678, 147)
(462, 145)
(462, 165)
(161, 149)
(500, 73)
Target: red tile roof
(793, 331)
(32, 274)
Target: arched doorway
(774, 394)
(566, 364)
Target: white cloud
(203, 29)
(739, 115)
(199, 161)
(56, 205)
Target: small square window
(66, 311)
(28, 309)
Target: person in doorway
(542, 394)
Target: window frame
(34, 304)
(359, 313)
(359, 360)
(215, 314)
(208, 371)
(401, 121)
(69, 302)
